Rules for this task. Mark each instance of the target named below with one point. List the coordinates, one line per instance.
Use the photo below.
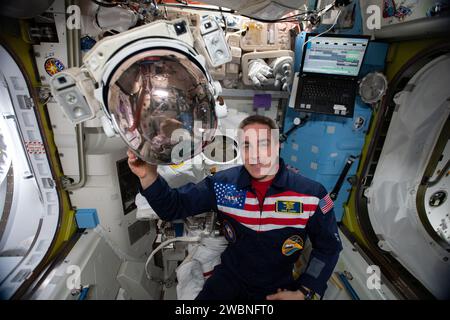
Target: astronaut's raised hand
(259, 72)
(146, 172)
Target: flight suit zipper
(261, 206)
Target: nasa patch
(292, 245)
(229, 232)
(229, 196)
(52, 66)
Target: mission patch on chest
(288, 206)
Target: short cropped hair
(256, 118)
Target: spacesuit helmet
(151, 86)
(161, 103)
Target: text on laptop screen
(336, 56)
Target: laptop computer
(328, 78)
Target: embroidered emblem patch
(229, 232)
(291, 245)
(289, 206)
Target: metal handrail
(74, 60)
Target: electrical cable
(166, 243)
(47, 99)
(326, 31)
(224, 19)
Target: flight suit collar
(280, 180)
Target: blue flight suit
(265, 239)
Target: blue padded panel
(321, 147)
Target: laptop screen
(335, 55)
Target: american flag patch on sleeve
(326, 204)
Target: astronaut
(267, 213)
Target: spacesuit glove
(282, 71)
(259, 72)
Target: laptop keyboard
(323, 91)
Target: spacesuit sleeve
(179, 203)
(323, 232)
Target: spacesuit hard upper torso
(265, 239)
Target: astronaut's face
(260, 150)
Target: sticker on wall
(388, 8)
(403, 10)
(35, 147)
(52, 66)
(87, 43)
(359, 123)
